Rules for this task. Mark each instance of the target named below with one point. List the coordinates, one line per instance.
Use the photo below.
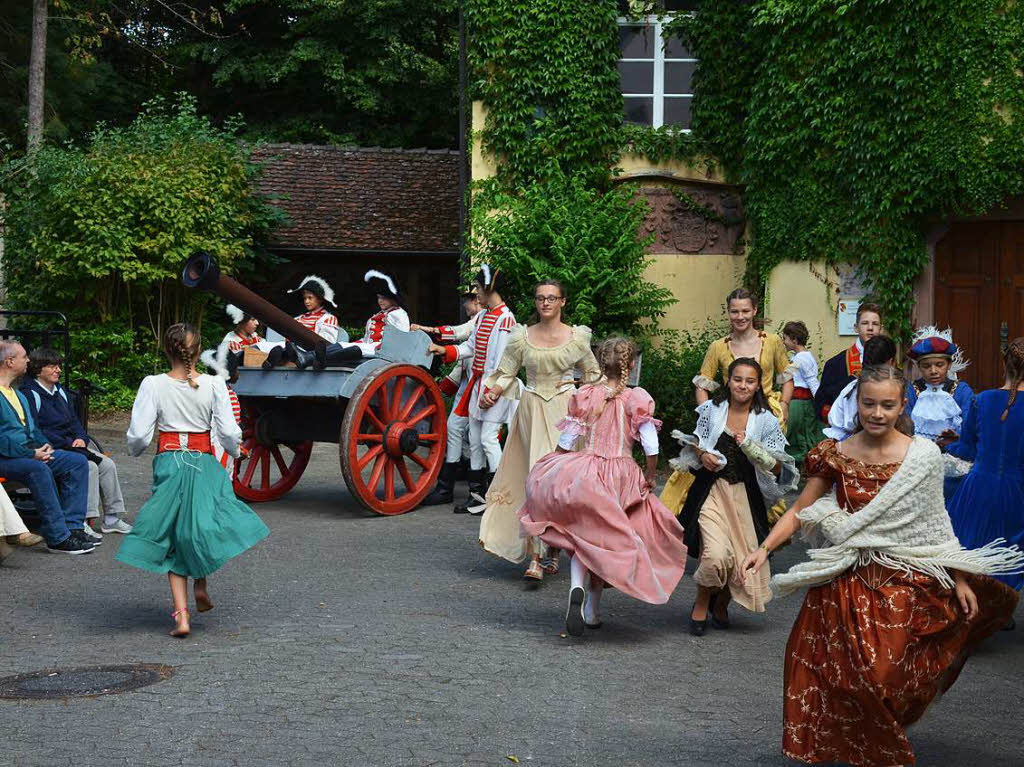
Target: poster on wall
(853, 286)
(847, 316)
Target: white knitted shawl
(904, 527)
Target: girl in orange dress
(895, 603)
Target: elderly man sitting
(25, 456)
(51, 408)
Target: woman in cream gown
(549, 354)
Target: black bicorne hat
(383, 285)
(318, 287)
(490, 279)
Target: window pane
(677, 111)
(638, 110)
(636, 42)
(637, 76)
(679, 76)
(674, 49)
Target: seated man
(26, 457)
(52, 411)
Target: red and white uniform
(321, 322)
(454, 385)
(222, 455)
(484, 348)
(236, 341)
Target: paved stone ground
(347, 639)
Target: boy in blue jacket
(56, 419)
(58, 479)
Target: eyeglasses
(547, 299)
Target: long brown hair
(1013, 361)
(876, 374)
(616, 357)
(760, 401)
(182, 344)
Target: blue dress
(933, 409)
(989, 503)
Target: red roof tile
(342, 198)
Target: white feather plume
(217, 361)
(957, 361)
(328, 291)
(381, 276)
(236, 314)
(487, 275)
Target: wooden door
(979, 285)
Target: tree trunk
(37, 74)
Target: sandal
(534, 571)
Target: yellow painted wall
(701, 170)
(480, 167)
(806, 291)
(700, 284)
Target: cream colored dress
(543, 402)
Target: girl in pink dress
(597, 505)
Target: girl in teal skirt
(193, 523)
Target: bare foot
(203, 603)
(181, 627)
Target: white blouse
(167, 404)
(805, 371)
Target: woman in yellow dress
(549, 350)
(744, 340)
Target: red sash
(853, 361)
(801, 392)
(186, 440)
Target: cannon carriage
(385, 413)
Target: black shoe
(71, 545)
(444, 490)
(273, 358)
(476, 480)
(84, 538)
(574, 622)
(698, 628)
(303, 359)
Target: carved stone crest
(689, 219)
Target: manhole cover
(82, 682)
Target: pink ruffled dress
(593, 502)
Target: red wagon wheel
(266, 470)
(392, 438)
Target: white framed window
(656, 75)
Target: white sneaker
(119, 526)
(90, 533)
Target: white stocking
(577, 573)
(592, 604)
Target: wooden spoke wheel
(266, 470)
(393, 437)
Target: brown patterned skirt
(869, 652)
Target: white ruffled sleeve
(771, 438)
(144, 415)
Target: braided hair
(616, 357)
(1013, 361)
(760, 401)
(877, 374)
(182, 344)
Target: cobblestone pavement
(349, 639)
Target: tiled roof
(363, 198)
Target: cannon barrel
(203, 273)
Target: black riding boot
(444, 490)
(275, 357)
(476, 479)
(303, 359)
(337, 354)
(463, 470)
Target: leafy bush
(667, 371)
(560, 227)
(100, 232)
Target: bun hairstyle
(182, 344)
(876, 374)
(1013, 361)
(616, 357)
(760, 401)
